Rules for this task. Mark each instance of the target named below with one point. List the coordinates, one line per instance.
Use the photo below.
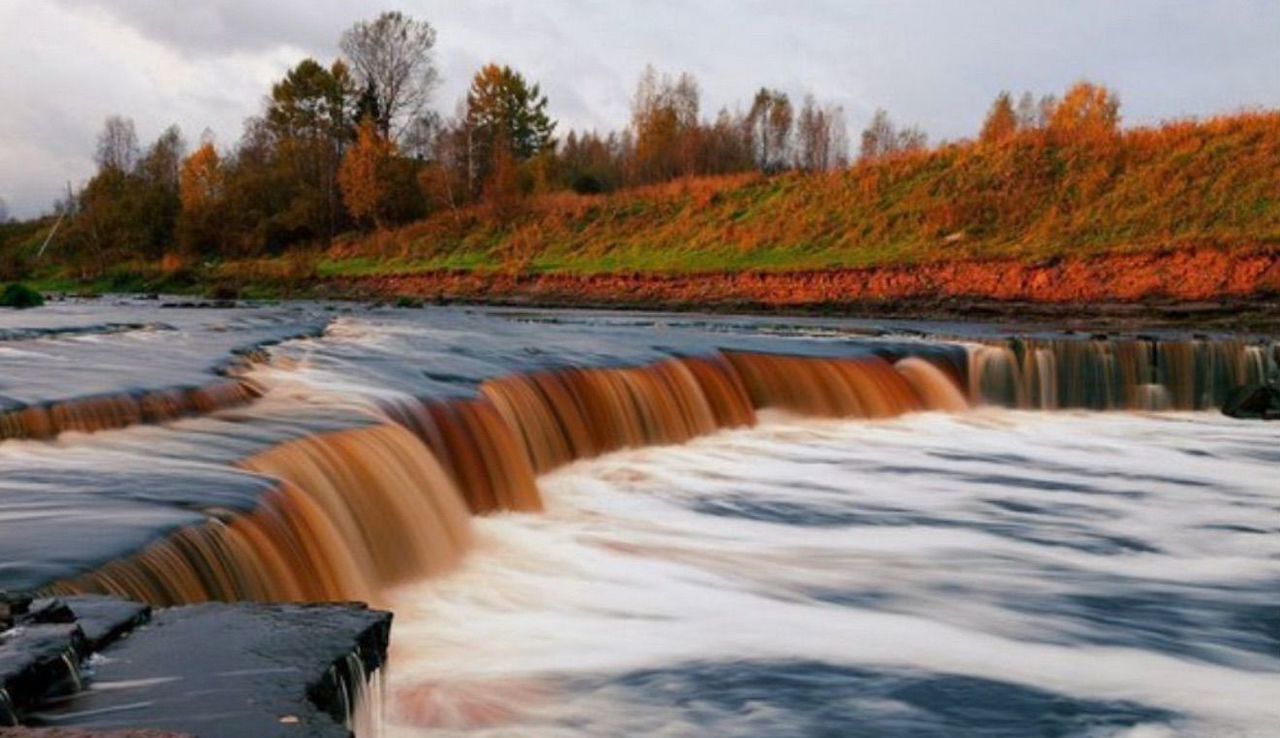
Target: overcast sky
(67, 64)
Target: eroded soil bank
(1201, 281)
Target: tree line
(355, 144)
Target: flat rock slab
(42, 643)
(103, 620)
(228, 671)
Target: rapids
(997, 574)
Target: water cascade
(1116, 373)
(477, 447)
(357, 511)
(574, 414)
(863, 387)
(108, 412)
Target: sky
(65, 65)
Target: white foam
(628, 571)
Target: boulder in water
(1254, 402)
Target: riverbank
(1191, 286)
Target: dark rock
(37, 663)
(1254, 402)
(49, 612)
(226, 671)
(11, 606)
(47, 640)
(106, 619)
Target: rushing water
(608, 524)
(996, 574)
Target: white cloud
(69, 63)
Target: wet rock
(43, 643)
(37, 663)
(11, 606)
(226, 671)
(49, 612)
(103, 620)
(1256, 402)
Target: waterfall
(355, 512)
(1116, 373)
(107, 412)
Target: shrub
(20, 296)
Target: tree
(882, 138)
(313, 102)
(1086, 111)
(1027, 112)
(4, 211)
(822, 141)
(879, 138)
(1002, 120)
(664, 117)
(393, 63)
(366, 175)
(155, 193)
(501, 104)
(591, 163)
(202, 190)
(117, 145)
(769, 125)
(310, 116)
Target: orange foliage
(365, 175)
(201, 179)
(1087, 111)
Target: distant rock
(1254, 402)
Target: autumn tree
(202, 189)
(769, 123)
(664, 117)
(504, 111)
(393, 64)
(366, 175)
(1087, 111)
(1001, 121)
(129, 208)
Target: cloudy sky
(67, 64)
